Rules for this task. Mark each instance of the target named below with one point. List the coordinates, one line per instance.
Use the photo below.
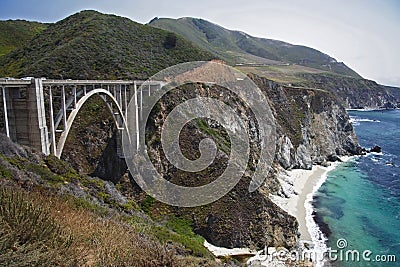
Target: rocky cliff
(312, 128)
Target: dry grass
(76, 237)
(29, 236)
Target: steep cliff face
(240, 218)
(313, 126)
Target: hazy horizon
(362, 34)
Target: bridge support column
(3, 89)
(38, 133)
(135, 97)
(52, 126)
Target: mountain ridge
(92, 45)
(237, 47)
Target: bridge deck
(22, 83)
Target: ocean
(358, 205)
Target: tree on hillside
(170, 40)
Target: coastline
(300, 187)
(369, 109)
(306, 184)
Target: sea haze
(360, 200)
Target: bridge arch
(79, 104)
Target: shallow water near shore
(360, 199)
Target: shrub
(42, 229)
(29, 236)
(4, 172)
(170, 40)
(147, 203)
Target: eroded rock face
(311, 126)
(285, 152)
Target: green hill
(16, 33)
(288, 64)
(91, 45)
(240, 48)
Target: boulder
(376, 149)
(333, 158)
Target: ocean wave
(318, 238)
(362, 109)
(369, 109)
(357, 120)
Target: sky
(364, 34)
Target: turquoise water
(360, 200)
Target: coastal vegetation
(42, 226)
(91, 45)
(17, 33)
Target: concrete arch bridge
(40, 113)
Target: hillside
(352, 92)
(53, 216)
(240, 48)
(16, 33)
(98, 46)
(288, 64)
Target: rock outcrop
(313, 126)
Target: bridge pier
(39, 134)
(24, 115)
(3, 89)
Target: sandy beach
(299, 185)
(304, 183)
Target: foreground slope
(240, 48)
(52, 216)
(98, 46)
